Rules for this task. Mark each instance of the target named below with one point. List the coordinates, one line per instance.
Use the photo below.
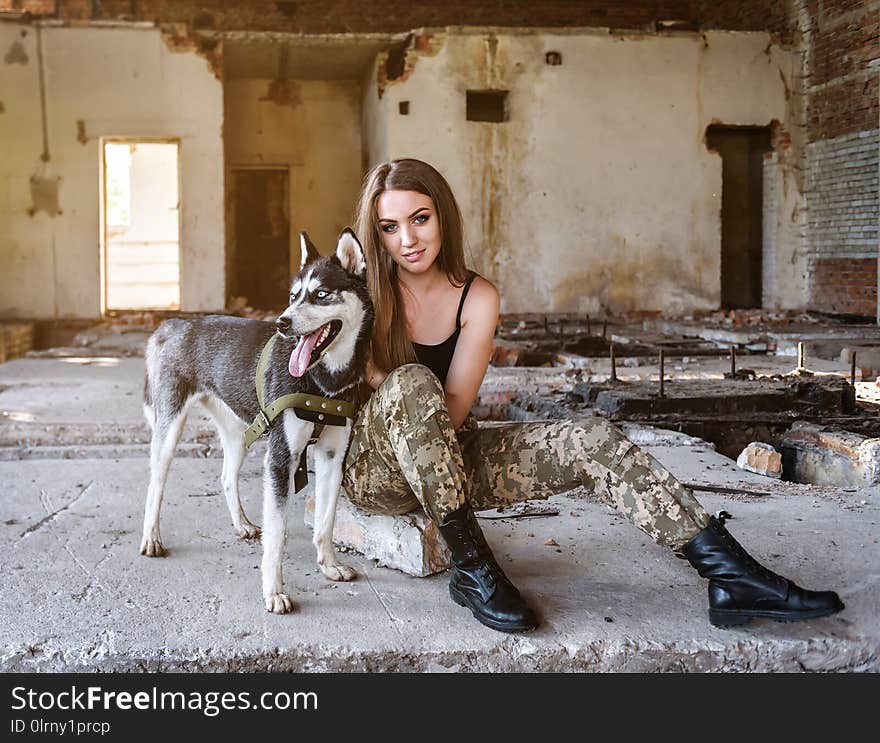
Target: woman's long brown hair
(391, 346)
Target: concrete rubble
(77, 595)
(762, 459)
(410, 543)
(824, 455)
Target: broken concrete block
(492, 405)
(822, 455)
(867, 361)
(762, 459)
(507, 354)
(410, 543)
(866, 356)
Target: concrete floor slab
(77, 595)
(97, 400)
(79, 400)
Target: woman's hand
(473, 352)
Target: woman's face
(410, 229)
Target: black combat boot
(741, 589)
(477, 580)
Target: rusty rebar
(852, 369)
(802, 355)
(733, 362)
(662, 359)
(613, 364)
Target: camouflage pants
(405, 453)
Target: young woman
(415, 444)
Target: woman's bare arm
(473, 350)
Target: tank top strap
(467, 286)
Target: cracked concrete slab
(79, 401)
(77, 596)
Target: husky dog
(320, 349)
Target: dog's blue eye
(321, 294)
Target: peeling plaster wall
(375, 117)
(27, 283)
(317, 134)
(599, 193)
(120, 83)
(747, 80)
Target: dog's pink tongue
(302, 354)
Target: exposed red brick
(37, 7)
(744, 15)
(843, 49)
(844, 39)
(845, 286)
(847, 107)
(834, 9)
(335, 16)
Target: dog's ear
(307, 251)
(350, 253)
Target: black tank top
(438, 358)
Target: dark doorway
(742, 198)
(260, 269)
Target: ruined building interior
(677, 200)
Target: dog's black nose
(283, 324)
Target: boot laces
(485, 553)
(751, 564)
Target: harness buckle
(266, 422)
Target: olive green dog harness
(319, 410)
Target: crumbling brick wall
(746, 15)
(836, 163)
(388, 16)
(842, 38)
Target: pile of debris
(239, 307)
(754, 317)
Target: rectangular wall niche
(488, 105)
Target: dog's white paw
(152, 548)
(338, 572)
(279, 603)
(247, 530)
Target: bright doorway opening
(141, 221)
